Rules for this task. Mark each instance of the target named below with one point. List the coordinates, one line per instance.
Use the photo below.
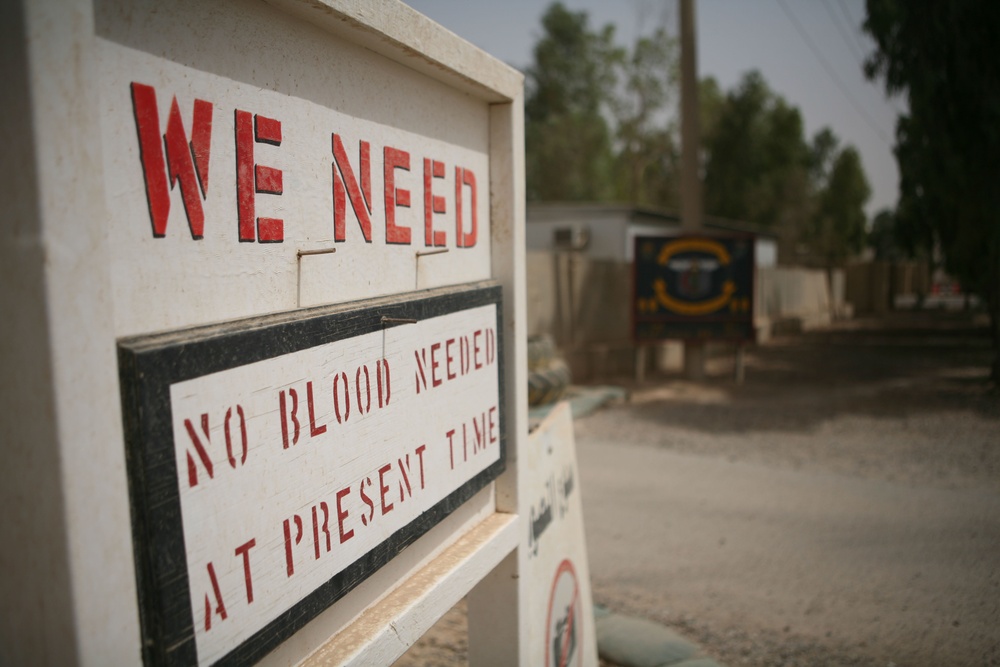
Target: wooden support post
(740, 368)
(694, 360)
(691, 208)
(640, 364)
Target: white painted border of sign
(72, 597)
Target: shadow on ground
(905, 364)
(889, 397)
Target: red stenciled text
(355, 185)
(186, 159)
(337, 519)
(215, 605)
(472, 438)
(170, 157)
(358, 392)
(454, 357)
(237, 447)
(253, 178)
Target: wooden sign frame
(84, 271)
(149, 365)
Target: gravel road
(842, 507)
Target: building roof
(599, 211)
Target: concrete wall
(575, 299)
(868, 287)
(910, 279)
(584, 305)
(876, 287)
(605, 227)
(540, 297)
(796, 297)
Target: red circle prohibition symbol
(565, 648)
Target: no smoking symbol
(563, 634)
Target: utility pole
(691, 209)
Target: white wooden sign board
(189, 175)
(560, 621)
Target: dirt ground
(841, 507)
(904, 398)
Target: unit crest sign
(693, 287)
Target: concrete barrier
(793, 296)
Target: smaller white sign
(561, 630)
(299, 473)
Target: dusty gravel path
(842, 507)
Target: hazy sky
(824, 81)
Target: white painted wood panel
(309, 88)
(387, 629)
(559, 627)
(320, 479)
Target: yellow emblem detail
(696, 308)
(693, 245)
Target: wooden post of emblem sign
(264, 281)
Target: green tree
(882, 237)
(646, 164)
(839, 224)
(942, 56)
(756, 166)
(568, 142)
(759, 168)
(710, 103)
(821, 154)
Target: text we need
(173, 156)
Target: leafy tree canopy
(760, 168)
(839, 224)
(942, 56)
(648, 154)
(756, 156)
(569, 143)
(882, 236)
(597, 115)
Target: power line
(849, 20)
(831, 72)
(861, 47)
(843, 34)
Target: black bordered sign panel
(275, 463)
(693, 287)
